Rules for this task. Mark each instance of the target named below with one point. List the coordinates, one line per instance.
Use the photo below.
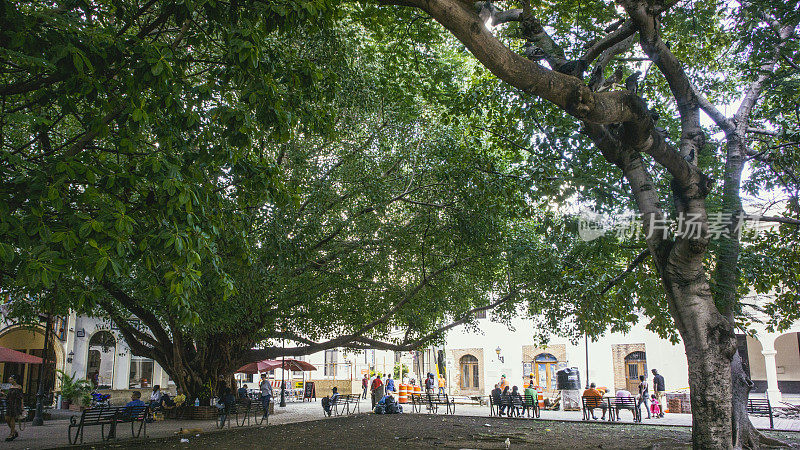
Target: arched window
(469, 372)
(635, 365)
(100, 361)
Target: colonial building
(86, 347)
(476, 361)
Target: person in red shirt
(365, 385)
(377, 390)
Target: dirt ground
(424, 431)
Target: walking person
(658, 387)
(441, 385)
(644, 396)
(377, 390)
(429, 384)
(365, 385)
(266, 394)
(389, 384)
(13, 407)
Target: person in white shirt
(266, 393)
(156, 397)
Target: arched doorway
(544, 370)
(30, 340)
(787, 363)
(469, 373)
(100, 360)
(635, 365)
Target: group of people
(652, 401)
(503, 395)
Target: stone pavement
(54, 432)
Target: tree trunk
(709, 383)
(709, 342)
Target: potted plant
(74, 392)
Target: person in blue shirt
(390, 384)
(243, 392)
(136, 399)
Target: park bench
(494, 407)
(760, 407)
(109, 416)
(628, 403)
(590, 404)
(228, 411)
(531, 405)
(342, 403)
(435, 400)
(514, 405)
(256, 408)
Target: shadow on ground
(423, 431)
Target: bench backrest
(530, 400)
(132, 413)
(625, 401)
(591, 402)
(758, 405)
(103, 414)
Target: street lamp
(283, 372)
(38, 417)
(501, 358)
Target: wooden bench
(514, 405)
(760, 407)
(629, 403)
(341, 404)
(109, 416)
(590, 404)
(433, 401)
(531, 405)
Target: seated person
(505, 400)
(595, 399)
(622, 393)
(531, 396)
(166, 401)
(133, 406)
(497, 395)
(242, 392)
(388, 405)
(136, 400)
(515, 396)
(327, 401)
(156, 398)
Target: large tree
(213, 180)
(564, 40)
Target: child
(655, 407)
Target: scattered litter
(547, 429)
(508, 443)
(184, 440)
(486, 425)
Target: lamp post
(500, 358)
(586, 344)
(38, 418)
(283, 373)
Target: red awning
(272, 364)
(12, 356)
(288, 364)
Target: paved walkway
(54, 432)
